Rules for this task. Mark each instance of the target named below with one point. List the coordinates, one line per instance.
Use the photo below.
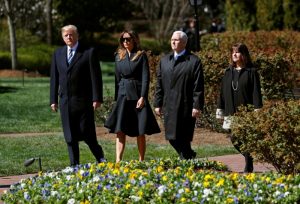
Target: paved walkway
(234, 162)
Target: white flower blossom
(255, 186)
(135, 198)
(68, 170)
(180, 191)
(206, 192)
(161, 189)
(96, 179)
(71, 201)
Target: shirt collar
(176, 55)
(74, 48)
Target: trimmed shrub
(271, 134)
(32, 58)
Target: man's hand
(158, 111)
(96, 104)
(195, 113)
(140, 103)
(54, 107)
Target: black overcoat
(248, 91)
(180, 88)
(132, 82)
(77, 86)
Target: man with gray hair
(179, 95)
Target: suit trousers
(183, 148)
(73, 149)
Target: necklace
(235, 87)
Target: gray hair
(69, 27)
(182, 35)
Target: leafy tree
(239, 15)
(269, 14)
(291, 17)
(19, 13)
(7, 8)
(163, 16)
(90, 15)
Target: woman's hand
(140, 103)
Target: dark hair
(136, 43)
(241, 48)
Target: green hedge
(271, 134)
(32, 58)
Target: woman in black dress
(240, 86)
(132, 114)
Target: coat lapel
(78, 54)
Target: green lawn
(53, 152)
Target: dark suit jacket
(77, 85)
(180, 88)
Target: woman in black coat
(240, 86)
(132, 114)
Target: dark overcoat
(180, 88)
(248, 90)
(77, 86)
(132, 82)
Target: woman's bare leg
(141, 142)
(120, 145)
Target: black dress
(131, 83)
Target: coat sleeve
(221, 101)
(145, 76)
(54, 81)
(159, 92)
(198, 93)
(96, 76)
(257, 97)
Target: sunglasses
(126, 39)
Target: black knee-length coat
(132, 82)
(180, 88)
(77, 86)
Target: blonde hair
(69, 27)
(121, 51)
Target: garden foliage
(155, 181)
(271, 134)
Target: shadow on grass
(5, 89)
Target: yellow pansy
(110, 165)
(102, 164)
(159, 169)
(140, 193)
(221, 182)
(229, 200)
(208, 177)
(126, 170)
(205, 184)
(250, 177)
(133, 175)
(127, 186)
(165, 178)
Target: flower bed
(155, 181)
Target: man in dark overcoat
(77, 81)
(179, 94)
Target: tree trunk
(49, 21)
(12, 36)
